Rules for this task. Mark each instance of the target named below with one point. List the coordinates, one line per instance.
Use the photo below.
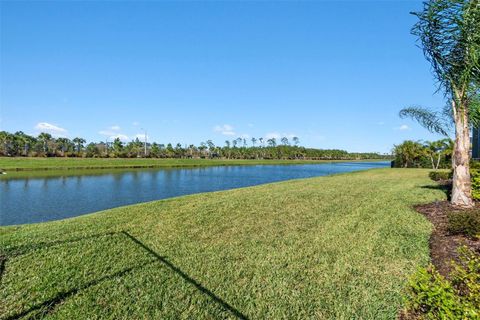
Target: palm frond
(430, 120)
(474, 110)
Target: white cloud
(135, 123)
(113, 132)
(380, 123)
(141, 136)
(403, 127)
(226, 130)
(250, 125)
(272, 135)
(244, 136)
(106, 132)
(51, 128)
(119, 136)
(278, 135)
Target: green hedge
(466, 223)
(440, 175)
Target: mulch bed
(443, 246)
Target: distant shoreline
(40, 164)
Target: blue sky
(335, 74)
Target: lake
(53, 197)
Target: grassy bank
(336, 247)
(21, 164)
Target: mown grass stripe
(189, 279)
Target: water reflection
(27, 200)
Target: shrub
(475, 179)
(466, 223)
(474, 164)
(432, 296)
(440, 175)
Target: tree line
(19, 144)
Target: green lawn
(19, 163)
(337, 247)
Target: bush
(466, 223)
(475, 179)
(440, 175)
(474, 164)
(431, 296)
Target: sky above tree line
(334, 74)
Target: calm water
(28, 200)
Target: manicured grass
(19, 163)
(338, 247)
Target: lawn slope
(337, 247)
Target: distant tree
(239, 141)
(117, 147)
(272, 142)
(22, 143)
(285, 141)
(45, 138)
(79, 142)
(296, 141)
(5, 140)
(202, 148)
(92, 149)
(179, 151)
(211, 145)
(64, 144)
(19, 143)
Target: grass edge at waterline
(32, 164)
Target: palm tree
(408, 153)
(5, 139)
(79, 143)
(254, 141)
(296, 141)
(449, 32)
(239, 141)
(272, 142)
(64, 143)
(45, 138)
(437, 149)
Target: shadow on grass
(445, 188)
(3, 260)
(187, 278)
(48, 306)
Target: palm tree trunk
(438, 161)
(461, 189)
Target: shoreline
(94, 163)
